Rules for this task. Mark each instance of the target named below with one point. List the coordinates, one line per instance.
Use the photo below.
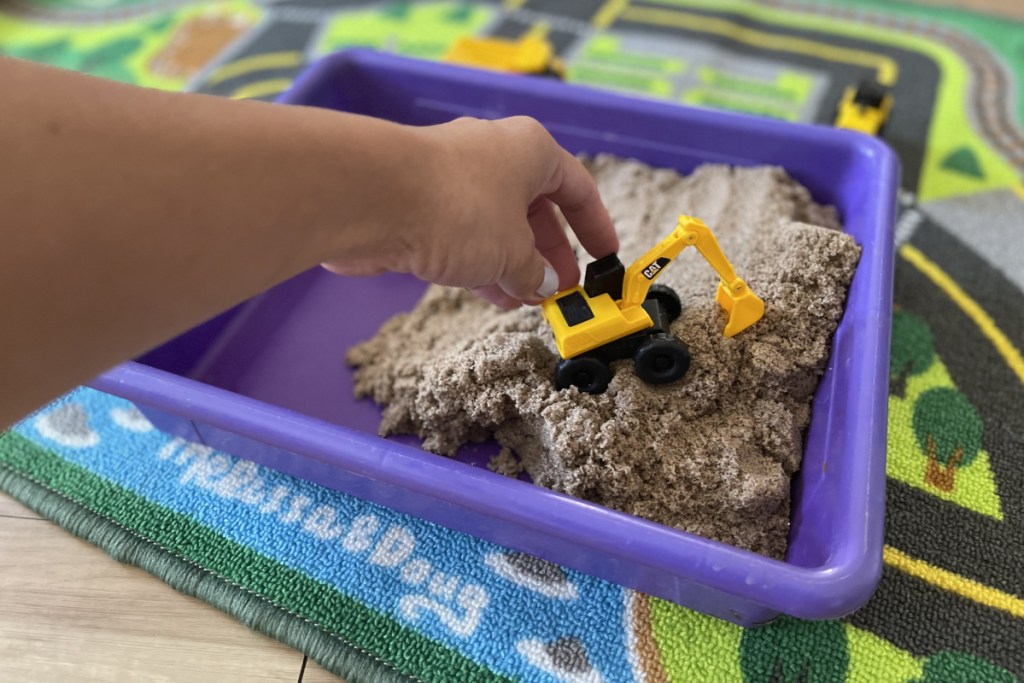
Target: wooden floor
(70, 613)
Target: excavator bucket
(743, 306)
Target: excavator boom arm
(744, 307)
(642, 273)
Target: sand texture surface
(712, 454)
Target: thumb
(531, 282)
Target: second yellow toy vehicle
(532, 55)
(864, 108)
(619, 313)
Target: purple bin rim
(840, 585)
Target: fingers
(527, 275)
(495, 295)
(566, 184)
(574, 191)
(531, 279)
(354, 269)
(552, 242)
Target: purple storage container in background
(267, 381)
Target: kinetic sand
(712, 454)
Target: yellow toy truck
(532, 55)
(864, 108)
(619, 313)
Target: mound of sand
(712, 454)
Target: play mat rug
(375, 595)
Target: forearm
(129, 215)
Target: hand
(484, 218)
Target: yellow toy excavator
(619, 313)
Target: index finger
(573, 189)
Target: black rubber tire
(661, 360)
(586, 373)
(668, 299)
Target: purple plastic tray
(266, 380)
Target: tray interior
(287, 347)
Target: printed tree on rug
(912, 352)
(916, 370)
(789, 650)
(948, 429)
(961, 667)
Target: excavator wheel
(662, 359)
(586, 373)
(669, 300)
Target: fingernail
(549, 285)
